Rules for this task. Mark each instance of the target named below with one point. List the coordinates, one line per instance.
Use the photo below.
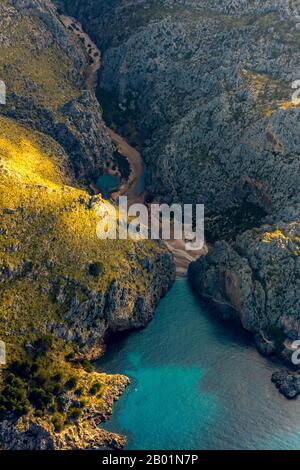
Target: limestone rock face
(119, 308)
(257, 279)
(30, 435)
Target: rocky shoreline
(32, 433)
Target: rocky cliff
(256, 279)
(62, 290)
(210, 88)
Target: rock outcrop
(287, 382)
(256, 279)
(47, 95)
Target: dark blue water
(197, 384)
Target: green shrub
(95, 269)
(13, 400)
(40, 379)
(12, 393)
(22, 408)
(60, 402)
(57, 377)
(57, 422)
(88, 366)
(40, 398)
(79, 404)
(95, 388)
(57, 389)
(70, 356)
(71, 383)
(74, 414)
(34, 368)
(79, 391)
(15, 381)
(21, 369)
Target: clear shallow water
(197, 384)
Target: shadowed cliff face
(256, 279)
(209, 86)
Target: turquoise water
(197, 383)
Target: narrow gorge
(218, 128)
(171, 101)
